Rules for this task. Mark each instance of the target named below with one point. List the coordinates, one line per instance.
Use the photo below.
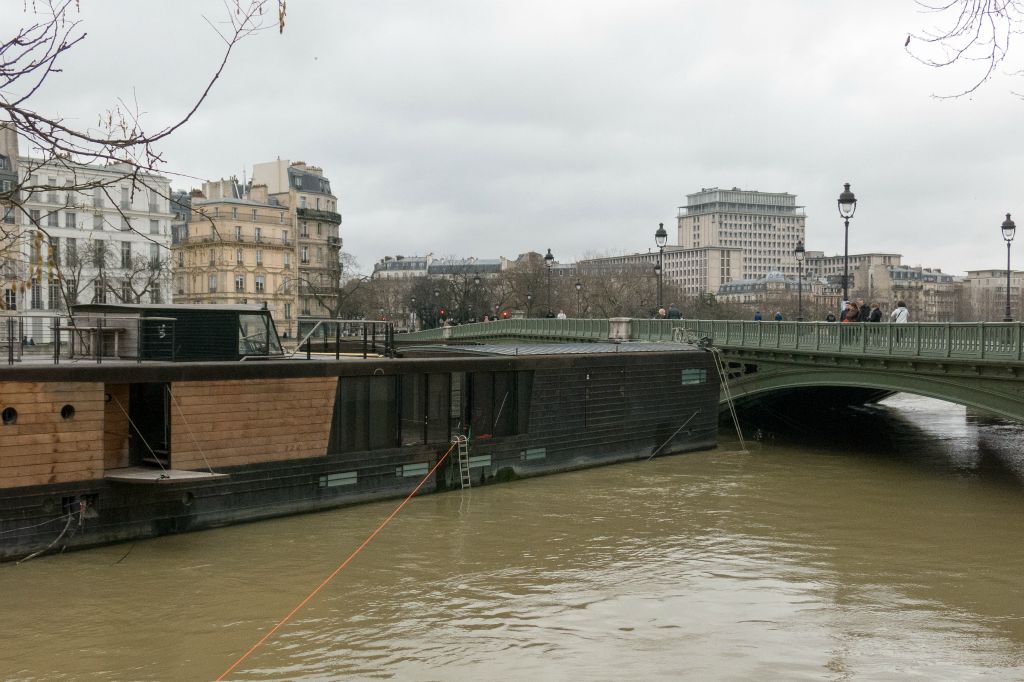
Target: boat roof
(140, 307)
(557, 348)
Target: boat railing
(88, 337)
(345, 337)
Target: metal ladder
(463, 453)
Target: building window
(37, 295)
(154, 294)
(181, 259)
(280, 218)
(126, 224)
(97, 221)
(126, 254)
(212, 281)
(302, 202)
(53, 219)
(72, 252)
(287, 311)
(154, 227)
(55, 251)
(33, 216)
(304, 255)
(154, 255)
(213, 260)
(284, 236)
(126, 201)
(55, 302)
(127, 295)
(238, 233)
(97, 197)
(259, 257)
(10, 299)
(238, 257)
(319, 254)
(319, 230)
(254, 215)
(259, 234)
(239, 283)
(9, 215)
(234, 212)
(303, 229)
(260, 279)
(287, 259)
(70, 220)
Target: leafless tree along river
(875, 544)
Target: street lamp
(413, 320)
(549, 260)
(382, 312)
(529, 303)
(799, 252)
(579, 286)
(476, 293)
(660, 239)
(847, 205)
(437, 307)
(1008, 228)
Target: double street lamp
(847, 207)
(549, 261)
(660, 239)
(1009, 228)
(799, 252)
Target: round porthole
(9, 415)
(67, 412)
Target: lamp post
(382, 312)
(413, 320)
(847, 206)
(476, 293)
(1008, 228)
(660, 239)
(437, 307)
(549, 260)
(799, 252)
(529, 303)
(579, 285)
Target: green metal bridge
(979, 364)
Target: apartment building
(238, 249)
(78, 233)
(984, 293)
(764, 226)
(693, 271)
(306, 193)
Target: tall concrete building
(985, 295)
(693, 271)
(765, 226)
(306, 193)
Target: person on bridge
(560, 315)
(757, 316)
(674, 312)
(864, 310)
(876, 313)
(830, 316)
(900, 314)
(778, 316)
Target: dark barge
(93, 453)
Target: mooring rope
(342, 565)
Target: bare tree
(976, 33)
(53, 30)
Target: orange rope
(343, 564)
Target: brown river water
(884, 543)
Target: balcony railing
(236, 239)
(317, 214)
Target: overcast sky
(495, 128)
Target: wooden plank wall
(116, 428)
(250, 421)
(42, 447)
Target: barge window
(494, 404)
(438, 386)
(369, 414)
(413, 430)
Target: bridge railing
(966, 340)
